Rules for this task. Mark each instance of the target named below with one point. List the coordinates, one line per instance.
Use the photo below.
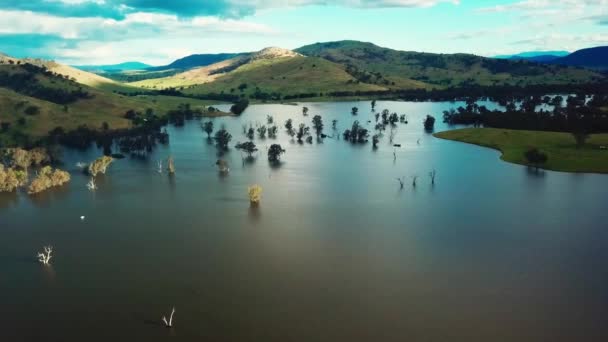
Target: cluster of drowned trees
(18, 166)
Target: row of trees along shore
(581, 112)
(493, 93)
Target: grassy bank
(102, 108)
(563, 155)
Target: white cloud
(134, 25)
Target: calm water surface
(335, 252)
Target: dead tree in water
(414, 178)
(45, 257)
(432, 174)
(169, 324)
(170, 165)
(401, 182)
(222, 166)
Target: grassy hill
(396, 69)
(34, 101)
(76, 75)
(271, 70)
(287, 76)
(357, 66)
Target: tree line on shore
(581, 113)
(460, 93)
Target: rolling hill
(370, 63)
(35, 100)
(271, 70)
(592, 58)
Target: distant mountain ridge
(593, 58)
(532, 55)
(197, 60)
(126, 66)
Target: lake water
(335, 252)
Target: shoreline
(563, 156)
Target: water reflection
(255, 213)
(8, 199)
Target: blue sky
(159, 31)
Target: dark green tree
(207, 127)
(274, 153)
(303, 131)
(317, 124)
(222, 139)
(535, 157)
(429, 123)
(289, 127)
(247, 147)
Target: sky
(157, 32)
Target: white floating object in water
(82, 217)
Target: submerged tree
(11, 178)
(401, 181)
(354, 111)
(99, 165)
(262, 132)
(302, 132)
(170, 165)
(255, 194)
(48, 178)
(274, 153)
(272, 132)
(432, 174)
(429, 123)
(250, 133)
(317, 124)
(289, 127)
(356, 134)
(375, 141)
(304, 111)
(373, 105)
(207, 127)
(385, 114)
(23, 159)
(247, 147)
(169, 323)
(269, 119)
(45, 256)
(222, 139)
(393, 119)
(414, 178)
(222, 166)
